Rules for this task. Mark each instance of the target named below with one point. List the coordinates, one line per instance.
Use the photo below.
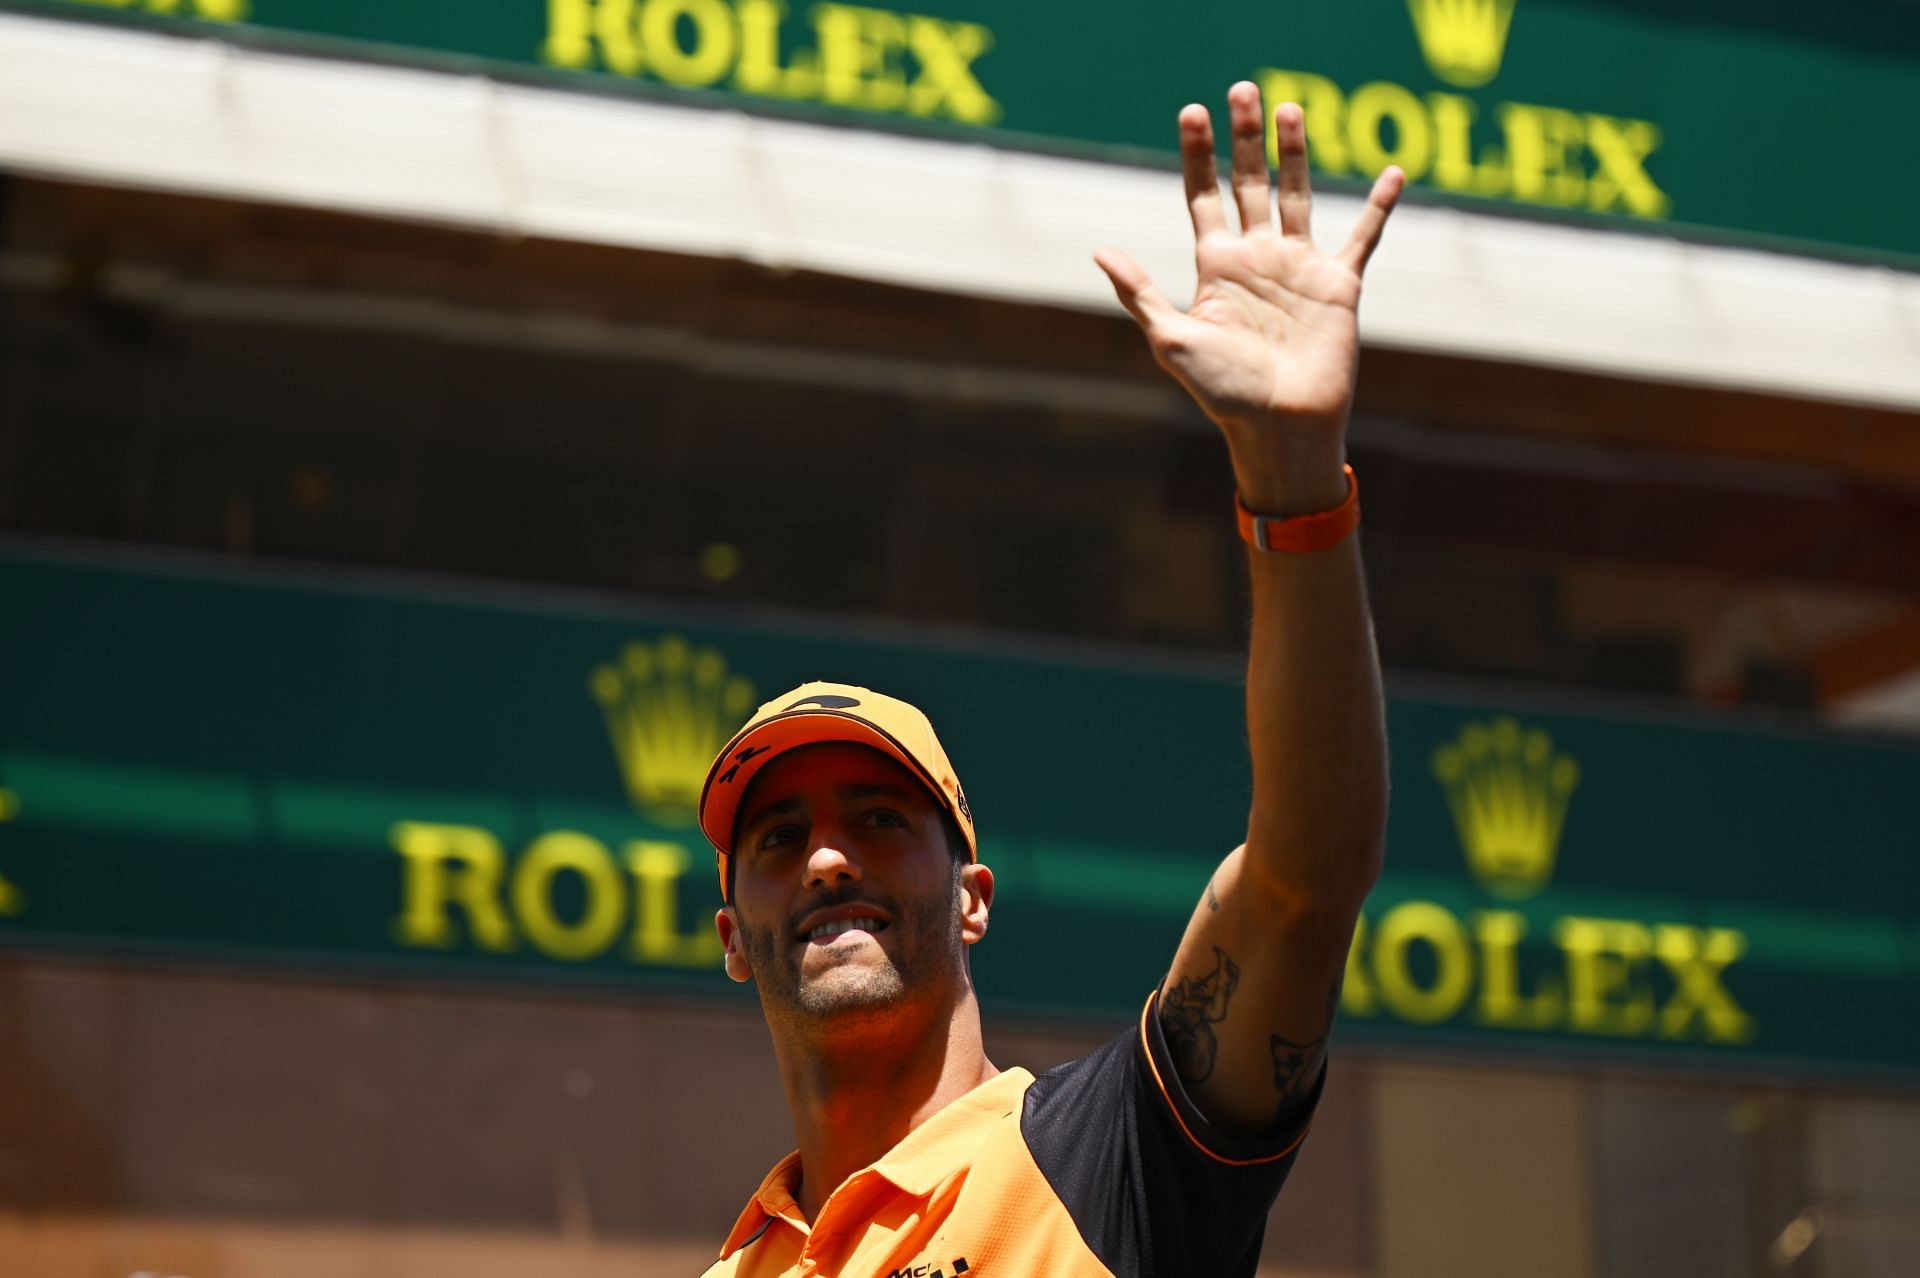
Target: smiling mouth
(828, 931)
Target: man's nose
(828, 865)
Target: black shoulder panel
(1148, 1199)
(1079, 1125)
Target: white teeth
(844, 925)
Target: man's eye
(779, 834)
(885, 816)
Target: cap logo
(826, 701)
(740, 757)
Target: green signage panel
(384, 778)
(1764, 123)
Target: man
(853, 885)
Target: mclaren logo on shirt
(928, 1269)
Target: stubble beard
(927, 942)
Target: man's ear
(729, 928)
(976, 902)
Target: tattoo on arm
(1213, 902)
(1297, 1065)
(1190, 1010)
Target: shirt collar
(926, 1156)
(930, 1152)
(772, 1201)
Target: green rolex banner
(392, 779)
(1762, 123)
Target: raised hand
(1270, 347)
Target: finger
(1250, 190)
(1196, 164)
(1296, 192)
(1135, 288)
(1373, 219)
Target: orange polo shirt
(1101, 1167)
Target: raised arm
(1270, 348)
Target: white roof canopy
(134, 108)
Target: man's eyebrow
(874, 790)
(778, 807)
(854, 793)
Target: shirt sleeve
(1154, 1189)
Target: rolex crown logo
(1508, 791)
(1463, 40)
(12, 901)
(669, 709)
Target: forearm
(1269, 350)
(1315, 716)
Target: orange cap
(819, 712)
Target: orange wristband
(1302, 532)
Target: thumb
(1134, 287)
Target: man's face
(845, 897)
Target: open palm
(1272, 338)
